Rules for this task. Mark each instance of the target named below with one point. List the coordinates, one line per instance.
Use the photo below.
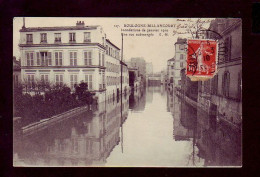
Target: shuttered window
(73, 58)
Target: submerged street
(153, 128)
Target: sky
(156, 49)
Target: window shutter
(49, 58)
(60, 58)
(31, 55)
(56, 58)
(28, 59)
(38, 58)
(75, 58)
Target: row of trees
(52, 101)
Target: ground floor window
(44, 78)
(89, 81)
(30, 81)
(59, 79)
(73, 80)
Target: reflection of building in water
(219, 144)
(137, 100)
(82, 141)
(180, 132)
(169, 102)
(149, 95)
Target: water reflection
(152, 128)
(84, 140)
(216, 143)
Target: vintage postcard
(127, 92)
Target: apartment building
(223, 93)
(68, 55)
(180, 61)
(170, 72)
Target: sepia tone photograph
(127, 92)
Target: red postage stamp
(201, 58)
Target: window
(58, 58)
(29, 58)
(72, 37)
(214, 85)
(59, 79)
(88, 80)
(87, 37)
(227, 43)
(30, 79)
(172, 67)
(225, 83)
(29, 38)
(57, 37)
(181, 64)
(43, 37)
(181, 47)
(44, 58)
(44, 79)
(181, 56)
(73, 58)
(73, 80)
(88, 57)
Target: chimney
(23, 23)
(80, 24)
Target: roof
(112, 44)
(181, 41)
(172, 59)
(57, 28)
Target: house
(67, 55)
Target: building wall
(104, 70)
(229, 106)
(96, 34)
(180, 61)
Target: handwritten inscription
(177, 27)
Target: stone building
(180, 61)
(67, 55)
(223, 93)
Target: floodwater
(152, 128)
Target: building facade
(170, 73)
(223, 93)
(149, 68)
(180, 61)
(68, 55)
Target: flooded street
(153, 128)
